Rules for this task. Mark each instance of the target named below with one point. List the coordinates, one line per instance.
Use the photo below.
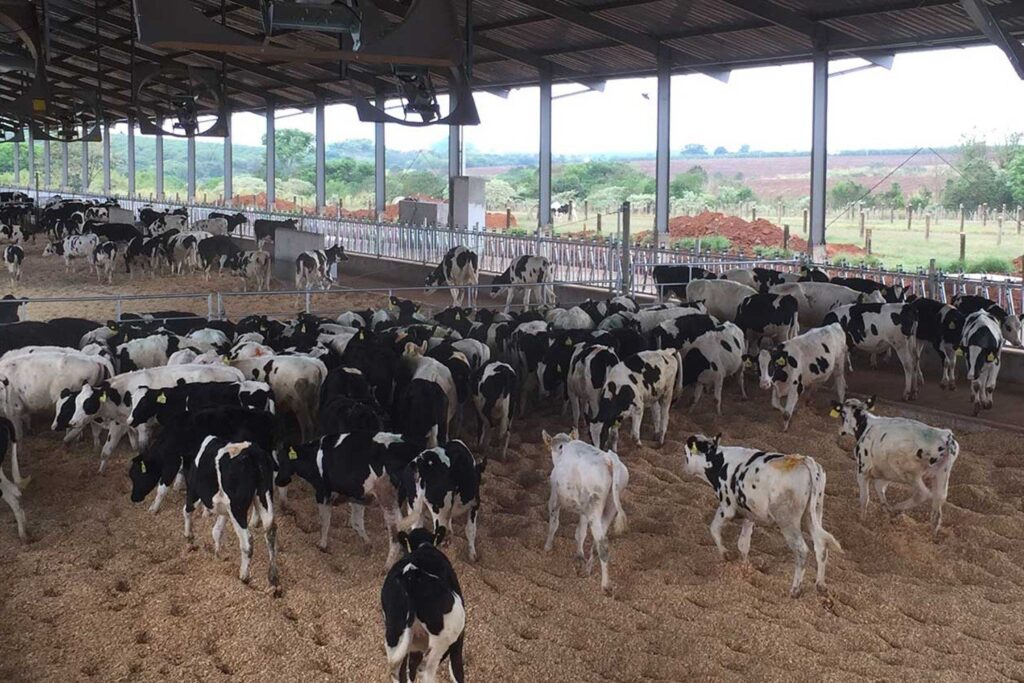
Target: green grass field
(892, 244)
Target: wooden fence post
(508, 218)
(910, 214)
(963, 247)
(753, 213)
(867, 241)
(1018, 218)
(862, 223)
(785, 237)
(598, 224)
(999, 229)
(927, 225)
(961, 219)
(984, 214)
(805, 222)
(892, 214)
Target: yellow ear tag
(362, 335)
(458, 316)
(960, 352)
(162, 398)
(747, 363)
(781, 361)
(112, 328)
(293, 454)
(142, 467)
(568, 342)
(833, 413)
(103, 397)
(990, 357)
(693, 448)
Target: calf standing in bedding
(983, 341)
(424, 613)
(877, 328)
(648, 378)
(590, 482)
(803, 362)
(898, 450)
(711, 358)
(759, 486)
(526, 272)
(457, 269)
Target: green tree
(922, 200)
(499, 193)
(893, 197)
(693, 181)
(978, 181)
(847, 191)
(1015, 177)
(422, 183)
(694, 149)
(719, 151)
(581, 180)
(744, 149)
(292, 147)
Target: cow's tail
(619, 524)
(473, 261)
(679, 374)
(816, 506)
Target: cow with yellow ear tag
(983, 340)
(761, 486)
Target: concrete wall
(429, 214)
(288, 244)
(469, 198)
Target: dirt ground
(105, 591)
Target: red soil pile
(743, 234)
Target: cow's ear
(547, 437)
(403, 540)
(870, 403)
(439, 534)
(574, 434)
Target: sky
(931, 98)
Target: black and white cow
(103, 259)
(590, 482)
(675, 333)
(217, 250)
(816, 299)
(235, 220)
(264, 228)
(10, 491)
(893, 294)
(771, 317)
(647, 379)
(588, 374)
(144, 253)
(445, 480)
(671, 280)
(494, 390)
(424, 612)
(526, 272)
(146, 352)
(760, 278)
(14, 256)
(941, 327)
(983, 341)
(711, 358)
(230, 480)
(76, 246)
(161, 404)
(760, 486)
(112, 232)
(1010, 325)
(458, 270)
(253, 266)
(182, 250)
(215, 225)
(721, 298)
(877, 328)
(11, 234)
(314, 267)
(802, 363)
(898, 450)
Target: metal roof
(584, 41)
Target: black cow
(112, 232)
(457, 269)
(671, 280)
(420, 411)
(494, 390)
(229, 479)
(145, 253)
(808, 274)
(235, 220)
(216, 250)
(167, 405)
(939, 326)
(768, 316)
(421, 594)
(264, 228)
(10, 306)
(892, 294)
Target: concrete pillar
(85, 163)
(456, 165)
(320, 144)
(229, 166)
(663, 149)
(159, 172)
(106, 158)
(544, 170)
(31, 157)
(379, 160)
(47, 167)
(190, 170)
(819, 154)
(131, 157)
(271, 157)
(64, 166)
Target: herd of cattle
(368, 408)
(82, 230)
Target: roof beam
(1008, 11)
(603, 27)
(781, 16)
(981, 15)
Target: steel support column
(819, 154)
(456, 167)
(544, 170)
(159, 166)
(320, 145)
(229, 167)
(85, 164)
(131, 157)
(190, 170)
(17, 164)
(47, 166)
(379, 160)
(663, 149)
(64, 166)
(271, 157)
(31, 158)
(106, 158)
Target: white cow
(590, 482)
(759, 486)
(721, 298)
(76, 246)
(898, 450)
(816, 299)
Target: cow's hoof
(795, 592)
(321, 548)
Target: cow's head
(774, 365)
(435, 279)
(615, 402)
(700, 454)
(1010, 327)
(406, 308)
(852, 415)
(411, 541)
(144, 475)
(146, 404)
(336, 253)
(54, 249)
(455, 317)
(553, 367)
(76, 409)
(297, 459)
(503, 279)
(556, 442)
